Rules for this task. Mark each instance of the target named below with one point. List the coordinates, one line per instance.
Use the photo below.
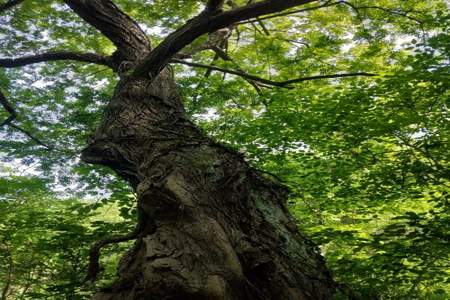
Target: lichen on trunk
(220, 230)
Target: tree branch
(326, 4)
(31, 136)
(54, 56)
(94, 253)
(12, 116)
(9, 108)
(386, 10)
(204, 23)
(340, 75)
(223, 55)
(283, 84)
(9, 4)
(117, 26)
(144, 225)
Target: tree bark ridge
(222, 229)
(117, 26)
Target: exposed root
(142, 228)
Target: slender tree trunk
(212, 227)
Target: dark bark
(285, 84)
(211, 227)
(9, 4)
(12, 116)
(219, 229)
(206, 22)
(124, 32)
(55, 56)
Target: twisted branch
(145, 225)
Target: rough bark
(215, 228)
(211, 227)
(118, 27)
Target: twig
(31, 136)
(259, 19)
(9, 108)
(283, 84)
(12, 116)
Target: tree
(210, 226)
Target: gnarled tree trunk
(212, 227)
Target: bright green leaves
(366, 158)
(44, 242)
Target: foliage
(366, 159)
(45, 241)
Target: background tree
(308, 135)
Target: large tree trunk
(212, 227)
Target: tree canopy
(345, 102)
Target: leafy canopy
(366, 158)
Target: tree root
(142, 228)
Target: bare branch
(283, 84)
(223, 55)
(31, 136)
(9, 108)
(94, 253)
(117, 26)
(259, 21)
(204, 23)
(12, 116)
(145, 225)
(263, 26)
(54, 56)
(326, 4)
(9, 4)
(397, 12)
(340, 75)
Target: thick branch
(54, 56)
(144, 225)
(9, 4)
(117, 26)
(284, 84)
(204, 23)
(94, 253)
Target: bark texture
(213, 227)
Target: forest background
(365, 157)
